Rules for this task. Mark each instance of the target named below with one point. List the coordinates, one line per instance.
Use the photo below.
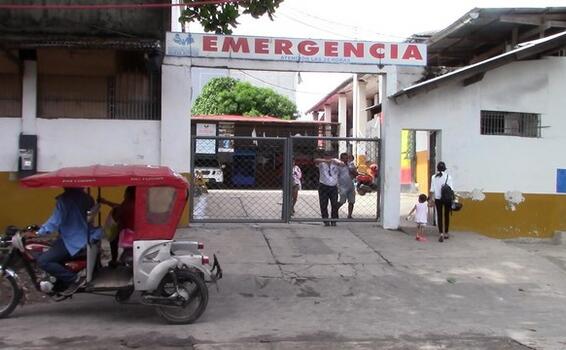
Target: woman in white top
(442, 209)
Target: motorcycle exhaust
(173, 301)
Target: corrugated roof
(485, 31)
(18, 42)
(525, 51)
(252, 119)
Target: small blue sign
(561, 180)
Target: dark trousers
(325, 194)
(442, 212)
(114, 249)
(51, 260)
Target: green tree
(230, 96)
(221, 18)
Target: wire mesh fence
(339, 179)
(262, 179)
(238, 179)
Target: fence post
(287, 164)
(192, 180)
(379, 179)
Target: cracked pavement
(354, 286)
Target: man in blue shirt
(69, 219)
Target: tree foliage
(230, 96)
(221, 18)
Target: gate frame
(285, 189)
(176, 94)
(288, 174)
(287, 143)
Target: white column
(343, 120)
(328, 128)
(327, 113)
(176, 116)
(29, 98)
(390, 166)
(343, 114)
(360, 104)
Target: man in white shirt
(327, 187)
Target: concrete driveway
(354, 286)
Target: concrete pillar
(359, 115)
(29, 98)
(390, 165)
(343, 120)
(327, 113)
(360, 104)
(176, 117)
(343, 115)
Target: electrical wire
(278, 86)
(314, 27)
(110, 6)
(344, 24)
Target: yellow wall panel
(539, 216)
(26, 206)
(422, 171)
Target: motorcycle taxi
(169, 274)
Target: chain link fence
(272, 179)
(339, 179)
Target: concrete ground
(355, 286)
(267, 205)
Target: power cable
(314, 27)
(111, 6)
(345, 25)
(278, 86)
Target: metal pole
(287, 164)
(192, 175)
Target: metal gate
(250, 179)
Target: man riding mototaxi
(69, 219)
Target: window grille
(510, 124)
(10, 95)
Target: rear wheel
(192, 288)
(10, 295)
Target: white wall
(10, 129)
(174, 139)
(497, 163)
(76, 142)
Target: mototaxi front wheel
(10, 294)
(193, 288)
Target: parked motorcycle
(367, 183)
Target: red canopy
(108, 175)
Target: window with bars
(510, 124)
(101, 84)
(10, 95)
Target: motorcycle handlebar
(11, 231)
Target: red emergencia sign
(294, 49)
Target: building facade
(499, 124)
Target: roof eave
(557, 41)
(330, 94)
